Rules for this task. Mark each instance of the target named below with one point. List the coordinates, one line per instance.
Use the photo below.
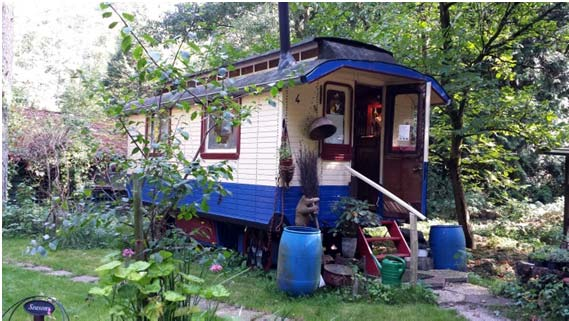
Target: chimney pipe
(286, 59)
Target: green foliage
(164, 287)
(95, 224)
(370, 289)
(546, 296)
(353, 213)
(526, 223)
(550, 254)
(160, 160)
(24, 215)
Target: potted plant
(352, 214)
(286, 164)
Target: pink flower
(215, 267)
(48, 311)
(127, 252)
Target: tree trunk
(7, 57)
(461, 208)
(456, 113)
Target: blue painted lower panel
(256, 203)
(328, 195)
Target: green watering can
(392, 269)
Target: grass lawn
(18, 284)
(261, 293)
(253, 290)
(78, 262)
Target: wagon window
(338, 109)
(405, 123)
(222, 141)
(158, 129)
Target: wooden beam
(414, 248)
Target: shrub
(546, 296)
(24, 216)
(93, 224)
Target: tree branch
(503, 22)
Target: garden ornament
(305, 208)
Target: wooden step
(383, 239)
(382, 256)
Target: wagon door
(403, 154)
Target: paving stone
(239, 313)
(60, 273)
(448, 297)
(434, 283)
(450, 276)
(85, 279)
(38, 268)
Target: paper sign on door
(404, 131)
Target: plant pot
(286, 170)
(337, 275)
(349, 245)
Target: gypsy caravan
(380, 111)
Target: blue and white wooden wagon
(381, 111)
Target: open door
(403, 154)
(368, 124)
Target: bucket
(448, 247)
(300, 259)
(392, 269)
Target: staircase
(395, 236)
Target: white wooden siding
(260, 139)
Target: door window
(405, 109)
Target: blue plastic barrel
(300, 258)
(448, 247)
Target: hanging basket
(286, 162)
(286, 171)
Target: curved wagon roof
(331, 54)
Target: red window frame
(338, 152)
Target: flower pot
(286, 170)
(349, 245)
(337, 275)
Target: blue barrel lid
(446, 226)
(302, 229)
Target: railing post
(414, 248)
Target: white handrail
(382, 189)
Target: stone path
(49, 271)
(474, 302)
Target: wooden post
(565, 243)
(414, 248)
